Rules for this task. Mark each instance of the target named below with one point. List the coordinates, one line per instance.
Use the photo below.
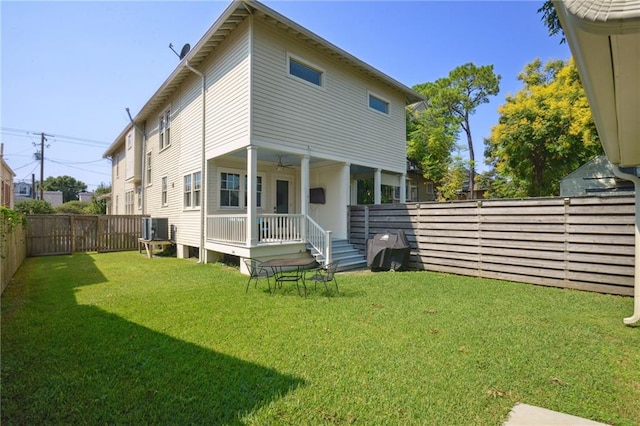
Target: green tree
(551, 21)
(68, 185)
(97, 205)
(451, 189)
(457, 97)
(431, 137)
(544, 132)
(34, 207)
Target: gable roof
(233, 16)
(604, 37)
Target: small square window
(378, 104)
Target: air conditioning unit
(155, 228)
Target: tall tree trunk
(472, 159)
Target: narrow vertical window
(165, 197)
(258, 191)
(148, 177)
(187, 191)
(164, 129)
(197, 188)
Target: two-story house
(254, 144)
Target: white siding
(227, 75)
(334, 121)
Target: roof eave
(606, 48)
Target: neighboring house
(53, 197)
(22, 191)
(6, 184)
(254, 144)
(85, 197)
(595, 177)
(418, 188)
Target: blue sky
(71, 68)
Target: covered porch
(259, 198)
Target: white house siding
(269, 176)
(119, 184)
(328, 177)
(334, 122)
(227, 75)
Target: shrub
(34, 207)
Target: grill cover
(388, 252)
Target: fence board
(585, 243)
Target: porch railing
(319, 239)
(230, 228)
(272, 228)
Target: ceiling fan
(281, 166)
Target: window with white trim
(192, 190)
(229, 190)
(258, 191)
(378, 104)
(164, 129)
(305, 71)
(139, 196)
(165, 191)
(128, 202)
(197, 188)
(148, 163)
(187, 192)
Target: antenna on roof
(185, 49)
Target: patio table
(290, 270)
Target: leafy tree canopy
(452, 101)
(34, 207)
(551, 21)
(68, 185)
(545, 131)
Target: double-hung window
(229, 190)
(192, 190)
(164, 129)
(165, 195)
(148, 163)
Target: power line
(78, 168)
(61, 138)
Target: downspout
(636, 281)
(142, 160)
(202, 256)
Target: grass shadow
(86, 365)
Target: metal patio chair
(325, 275)
(256, 272)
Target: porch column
(377, 187)
(252, 181)
(403, 188)
(304, 193)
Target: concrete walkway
(529, 415)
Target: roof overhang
(604, 37)
(233, 16)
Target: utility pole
(42, 141)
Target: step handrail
(319, 239)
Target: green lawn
(120, 338)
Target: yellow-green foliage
(545, 130)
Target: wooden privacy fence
(13, 249)
(65, 234)
(583, 243)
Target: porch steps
(343, 251)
